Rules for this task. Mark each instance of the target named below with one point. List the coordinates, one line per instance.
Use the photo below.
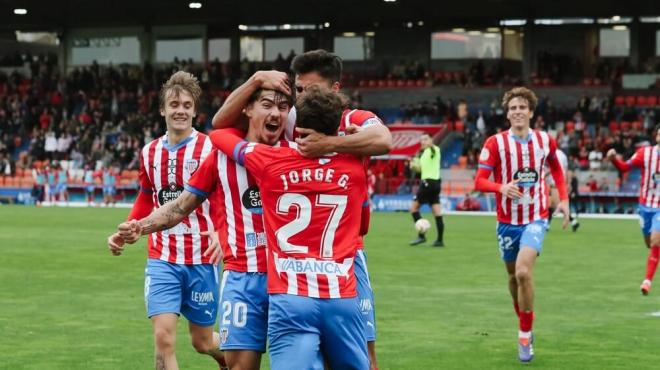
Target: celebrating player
(181, 275)
(312, 209)
(648, 160)
(368, 137)
(516, 158)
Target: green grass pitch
(66, 303)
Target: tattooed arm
(162, 218)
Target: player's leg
(554, 202)
(162, 292)
(366, 304)
(654, 254)
(243, 318)
(164, 327)
(207, 342)
(439, 224)
(531, 244)
(414, 212)
(646, 219)
(294, 333)
(199, 305)
(344, 345)
(508, 240)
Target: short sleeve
(488, 157)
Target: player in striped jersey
(554, 193)
(368, 136)
(517, 158)
(181, 276)
(647, 159)
(312, 209)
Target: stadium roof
(51, 15)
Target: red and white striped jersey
(349, 117)
(647, 159)
(511, 158)
(312, 211)
(241, 228)
(164, 170)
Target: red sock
(516, 308)
(652, 261)
(526, 320)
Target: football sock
(526, 320)
(441, 227)
(652, 261)
(551, 212)
(416, 216)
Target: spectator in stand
(468, 204)
(595, 159)
(592, 183)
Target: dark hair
(279, 96)
(181, 81)
(320, 109)
(325, 63)
(520, 92)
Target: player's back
(312, 208)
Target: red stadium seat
(570, 126)
(400, 83)
(619, 100)
(652, 100)
(614, 127)
(421, 83)
(391, 83)
(641, 100)
(625, 126)
(362, 83)
(372, 83)
(598, 82)
(637, 125)
(630, 100)
(410, 83)
(587, 81)
(382, 83)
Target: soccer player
(62, 184)
(428, 164)
(368, 136)
(181, 276)
(243, 294)
(109, 177)
(88, 184)
(313, 210)
(517, 158)
(647, 159)
(51, 179)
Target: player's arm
(365, 217)
(372, 140)
(624, 166)
(560, 182)
(230, 113)
(163, 218)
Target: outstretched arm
(163, 218)
(229, 114)
(372, 140)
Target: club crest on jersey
(656, 177)
(224, 334)
(169, 193)
(191, 165)
(527, 176)
(251, 200)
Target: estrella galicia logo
(169, 193)
(527, 176)
(251, 200)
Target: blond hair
(181, 81)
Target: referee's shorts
(429, 192)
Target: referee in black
(428, 163)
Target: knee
(655, 239)
(512, 279)
(164, 340)
(523, 275)
(202, 345)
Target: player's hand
(273, 80)
(214, 251)
(353, 129)
(511, 190)
(313, 144)
(130, 231)
(562, 207)
(611, 154)
(116, 244)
